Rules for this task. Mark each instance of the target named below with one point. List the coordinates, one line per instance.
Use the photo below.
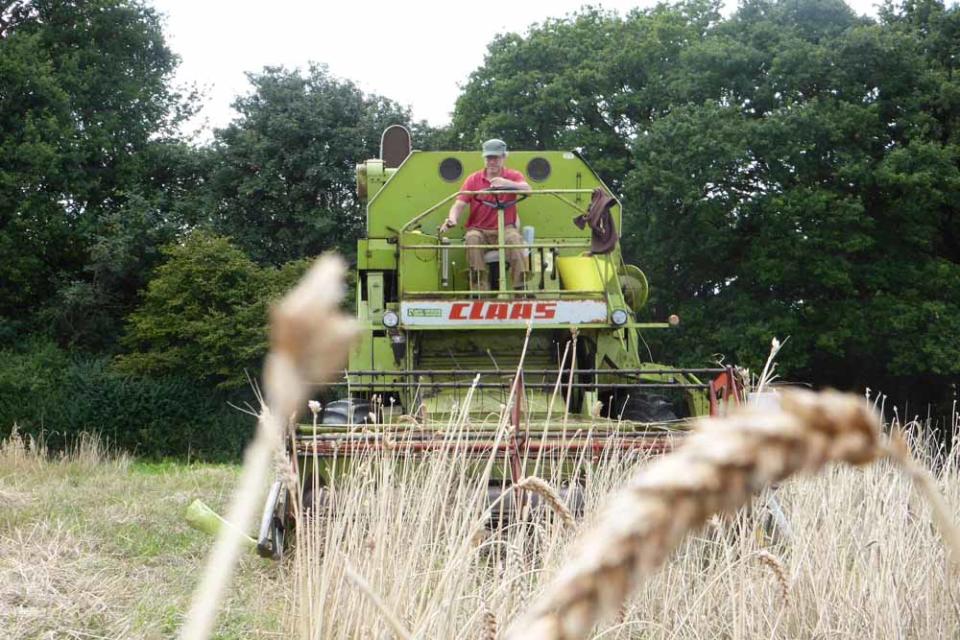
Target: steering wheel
(496, 204)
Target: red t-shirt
(484, 216)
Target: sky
(418, 53)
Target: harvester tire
(649, 408)
(347, 411)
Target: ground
(90, 549)
(95, 546)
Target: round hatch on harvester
(538, 169)
(451, 169)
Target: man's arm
(515, 185)
(459, 204)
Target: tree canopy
(283, 180)
(205, 313)
(789, 171)
(86, 104)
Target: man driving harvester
(482, 221)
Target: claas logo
(503, 310)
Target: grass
(862, 559)
(93, 545)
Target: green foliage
(791, 170)
(204, 313)
(283, 175)
(813, 200)
(589, 82)
(85, 98)
(62, 394)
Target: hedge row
(46, 389)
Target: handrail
(501, 257)
(534, 245)
(537, 192)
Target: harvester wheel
(648, 408)
(347, 411)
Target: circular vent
(538, 169)
(451, 169)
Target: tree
(816, 198)
(283, 177)
(85, 96)
(204, 313)
(790, 170)
(590, 81)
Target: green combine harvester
(576, 332)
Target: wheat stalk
(776, 567)
(358, 581)
(719, 467)
(898, 450)
(545, 491)
(309, 339)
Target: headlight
(390, 319)
(619, 317)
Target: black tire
(649, 408)
(346, 411)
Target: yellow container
(584, 273)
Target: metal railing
(427, 378)
(501, 246)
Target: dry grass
(863, 560)
(93, 545)
(98, 549)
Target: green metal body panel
(376, 253)
(417, 186)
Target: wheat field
(859, 558)
(92, 546)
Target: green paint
(403, 260)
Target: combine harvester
(431, 347)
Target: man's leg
(479, 279)
(518, 261)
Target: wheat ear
(309, 340)
(489, 624)
(779, 572)
(719, 467)
(545, 491)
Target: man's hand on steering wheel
(501, 183)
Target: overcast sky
(418, 53)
